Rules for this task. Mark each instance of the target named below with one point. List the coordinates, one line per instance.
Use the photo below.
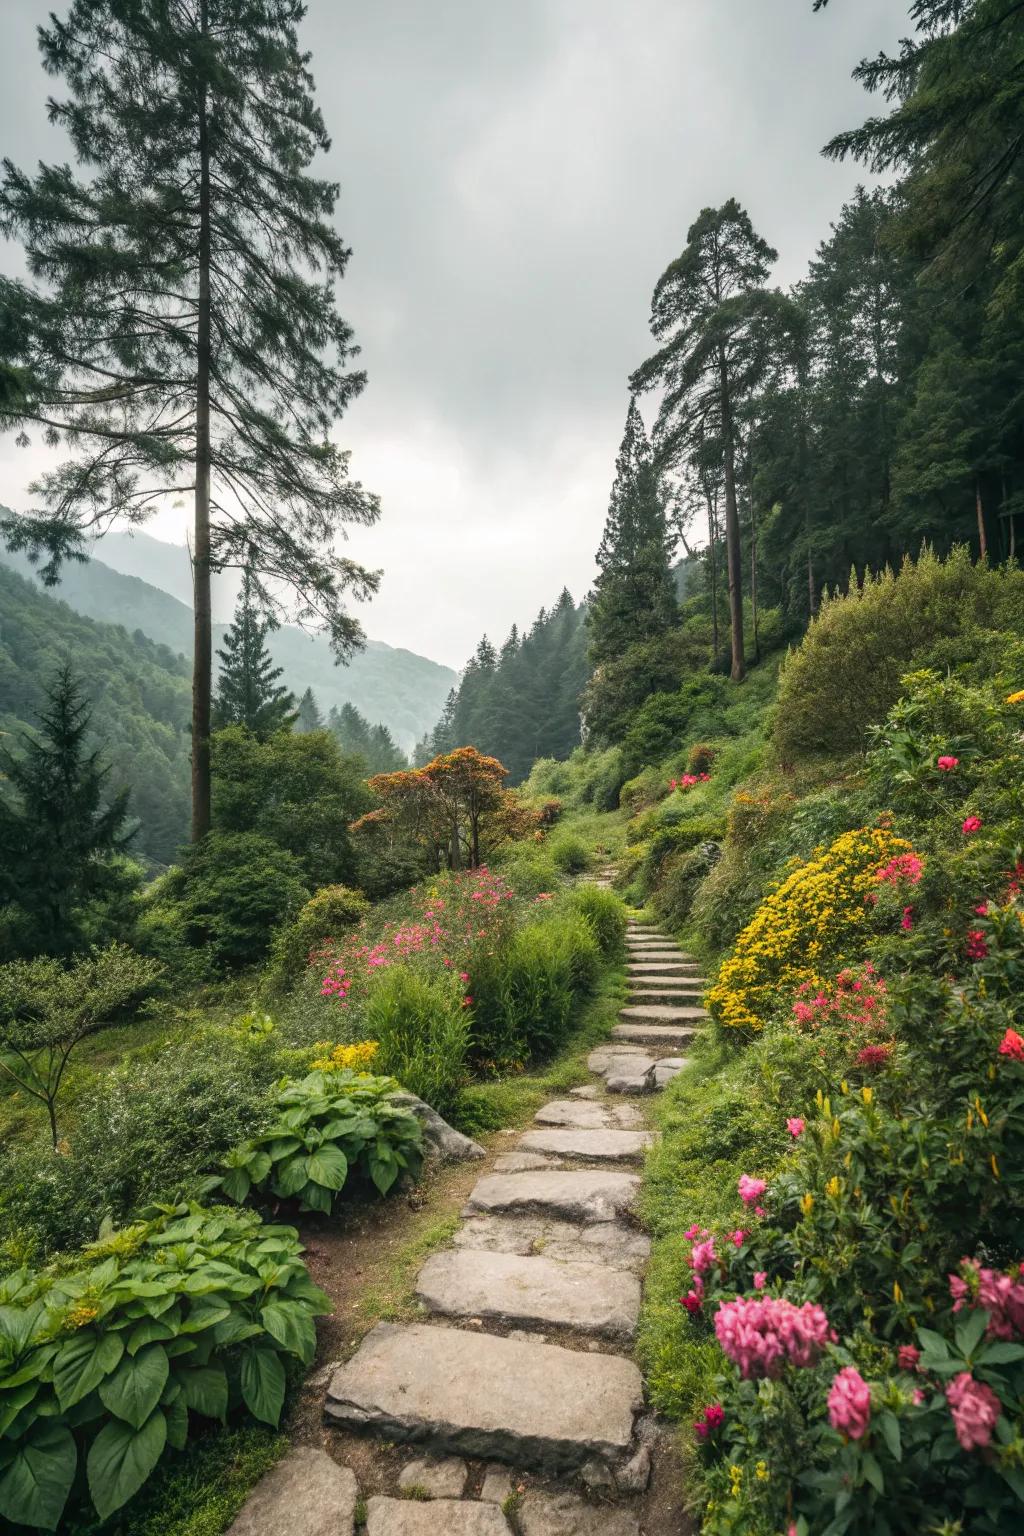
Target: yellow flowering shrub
(805, 928)
(336, 1058)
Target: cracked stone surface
(532, 1289)
(473, 1394)
(611, 1242)
(661, 1013)
(604, 1146)
(522, 1162)
(585, 1195)
(442, 1477)
(406, 1517)
(306, 1494)
(566, 1514)
(589, 1116)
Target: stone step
(590, 1146)
(662, 1013)
(654, 1034)
(566, 1514)
(610, 1243)
(677, 995)
(661, 967)
(411, 1517)
(668, 1068)
(643, 955)
(536, 1406)
(531, 1291)
(586, 1115)
(306, 1492)
(582, 1195)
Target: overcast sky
(514, 178)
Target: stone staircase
(518, 1376)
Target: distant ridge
(396, 687)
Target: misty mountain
(145, 585)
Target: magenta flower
(703, 1256)
(795, 1125)
(761, 1334)
(971, 824)
(976, 947)
(907, 920)
(737, 1237)
(907, 1357)
(947, 764)
(849, 1403)
(712, 1418)
(760, 1279)
(975, 1409)
(750, 1189)
(1012, 1045)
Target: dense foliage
(104, 1363)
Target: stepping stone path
(513, 1405)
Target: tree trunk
(733, 552)
(202, 661)
(753, 548)
(712, 544)
(980, 511)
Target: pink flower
(761, 1334)
(750, 1189)
(975, 1409)
(982, 909)
(907, 920)
(703, 1256)
(463, 975)
(976, 947)
(737, 1237)
(905, 866)
(971, 824)
(849, 1403)
(795, 1125)
(691, 1301)
(907, 1357)
(874, 1055)
(694, 1231)
(712, 1418)
(1012, 1045)
(760, 1279)
(947, 764)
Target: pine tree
(186, 297)
(715, 319)
(634, 595)
(248, 692)
(62, 830)
(308, 717)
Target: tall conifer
(248, 692)
(183, 328)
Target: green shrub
(421, 1026)
(679, 879)
(528, 868)
(524, 994)
(327, 1126)
(605, 913)
(325, 916)
(103, 1361)
(568, 853)
(144, 1130)
(658, 728)
(846, 674)
(231, 891)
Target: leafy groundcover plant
(191, 1311)
(329, 1124)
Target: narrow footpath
(514, 1407)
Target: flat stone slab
(439, 1477)
(691, 994)
(522, 1162)
(657, 1034)
(605, 1146)
(533, 1290)
(588, 1116)
(661, 1013)
(661, 967)
(663, 1075)
(407, 1517)
(601, 1059)
(306, 1494)
(473, 1394)
(582, 1195)
(634, 1084)
(585, 1091)
(611, 1243)
(565, 1514)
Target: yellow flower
(80, 1316)
(807, 1203)
(832, 1188)
(995, 1167)
(761, 1471)
(867, 1094)
(897, 1294)
(341, 1057)
(1016, 698)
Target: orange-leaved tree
(441, 805)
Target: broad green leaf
(290, 1176)
(148, 1331)
(176, 1414)
(11, 1403)
(259, 1166)
(933, 1342)
(204, 1312)
(383, 1173)
(315, 1198)
(1002, 1352)
(329, 1167)
(890, 1427)
(84, 1360)
(134, 1389)
(236, 1184)
(969, 1332)
(282, 1147)
(120, 1460)
(205, 1390)
(263, 1382)
(34, 1487)
(292, 1326)
(873, 1472)
(17, 1323)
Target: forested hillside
(140, 693)
(395, 687)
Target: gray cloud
(514, 178)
